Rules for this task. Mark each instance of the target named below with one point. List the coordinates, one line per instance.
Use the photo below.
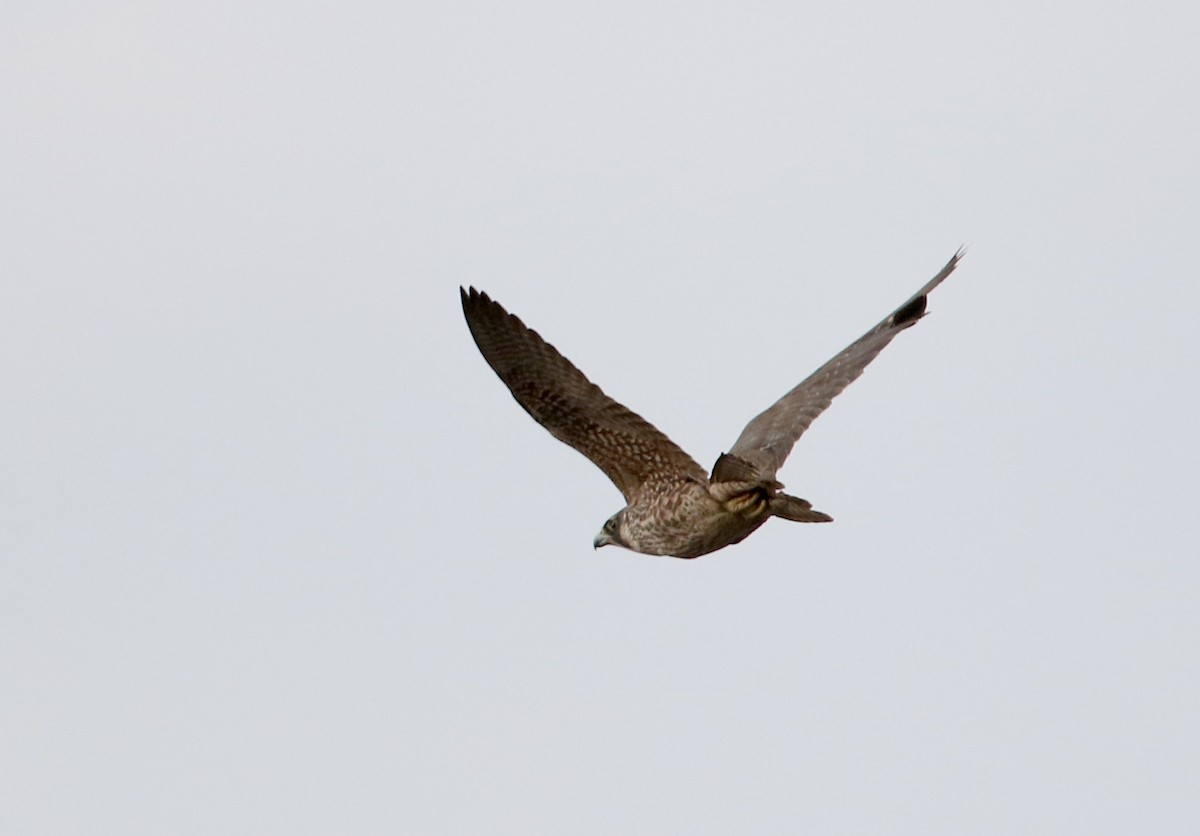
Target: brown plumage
(673, 507)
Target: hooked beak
(602, 539)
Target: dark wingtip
(910, 313)
(478, 308)
(914, 308)
(473, 299)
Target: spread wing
(767, 440)
(626, 447)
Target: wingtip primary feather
(471, 296)
(915, 308)
(468, 297)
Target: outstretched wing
(626, 447)
(767, 440)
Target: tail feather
(796, 509)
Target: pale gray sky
(279, 554)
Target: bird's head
(610, 534)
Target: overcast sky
(280, 554)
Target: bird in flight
(672, 506)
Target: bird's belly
(685, 520)
(704, 534)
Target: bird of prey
(672, 506)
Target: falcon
(672, 506)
